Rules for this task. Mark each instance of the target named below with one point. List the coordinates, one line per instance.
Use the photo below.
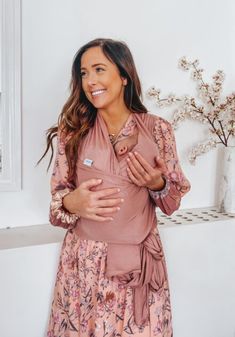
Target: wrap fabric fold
(135, 255)
(151, 276)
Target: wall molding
(10, 174)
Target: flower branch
(208, 108)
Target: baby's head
(125, 145)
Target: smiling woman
(102, 82)
(112, 277)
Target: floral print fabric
(85, 302)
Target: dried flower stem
(218, 113)
(211, 100)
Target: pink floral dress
(85, 302)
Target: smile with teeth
(98, 92)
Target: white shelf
(17, 237)
(30, 236)
(193, 216)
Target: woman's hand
(143, 174)
(91, 204)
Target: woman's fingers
(137, 170)
(102, 209)
(103, 214)
(141, 172)
(106, 192)
(136, 173)
(95, 205)
(161, 164)
(99, 194)
(109, 202)
(106, 210)
(87, 184)
(99, 218)
(132, 177)
(144, 164)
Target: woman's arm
(60, 187)
(65, 210)
(176, 184)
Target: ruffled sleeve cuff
(59, 215)
(161, 193)
(168, 199)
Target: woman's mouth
(97, 92)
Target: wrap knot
(152, 276)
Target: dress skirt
(87, 304)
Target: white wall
(158, 33)
(27, 282)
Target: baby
(125, 145)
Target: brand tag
(87, 162)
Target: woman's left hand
(143, 174)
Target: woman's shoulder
(154, 120)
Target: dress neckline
(126, 130)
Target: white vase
(227, 187)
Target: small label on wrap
(87, 162)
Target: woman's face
(101, 80)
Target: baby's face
(124, 146)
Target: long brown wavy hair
(78, 114)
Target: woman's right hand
(91, 204)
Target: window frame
(10, 95)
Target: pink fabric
(88, 304)
(134, 255)
(85, 301)
(168, 199)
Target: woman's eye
(83, 74)
(99, 69)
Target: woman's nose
(92, 79)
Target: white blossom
(200, 149)
(171, 99)
(184, 64)
(195, 63)
(152, 92)
(219, 76)
(208, 107)
(197, 74)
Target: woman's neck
(115, 119)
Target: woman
(115, 164)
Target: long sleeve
(176, 184)
(58, 215)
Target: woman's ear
(124, 81)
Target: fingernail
(122, 200)
(136, 152)
(118, 190)
(118, 208)
(111, 219)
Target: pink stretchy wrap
(135, 256)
